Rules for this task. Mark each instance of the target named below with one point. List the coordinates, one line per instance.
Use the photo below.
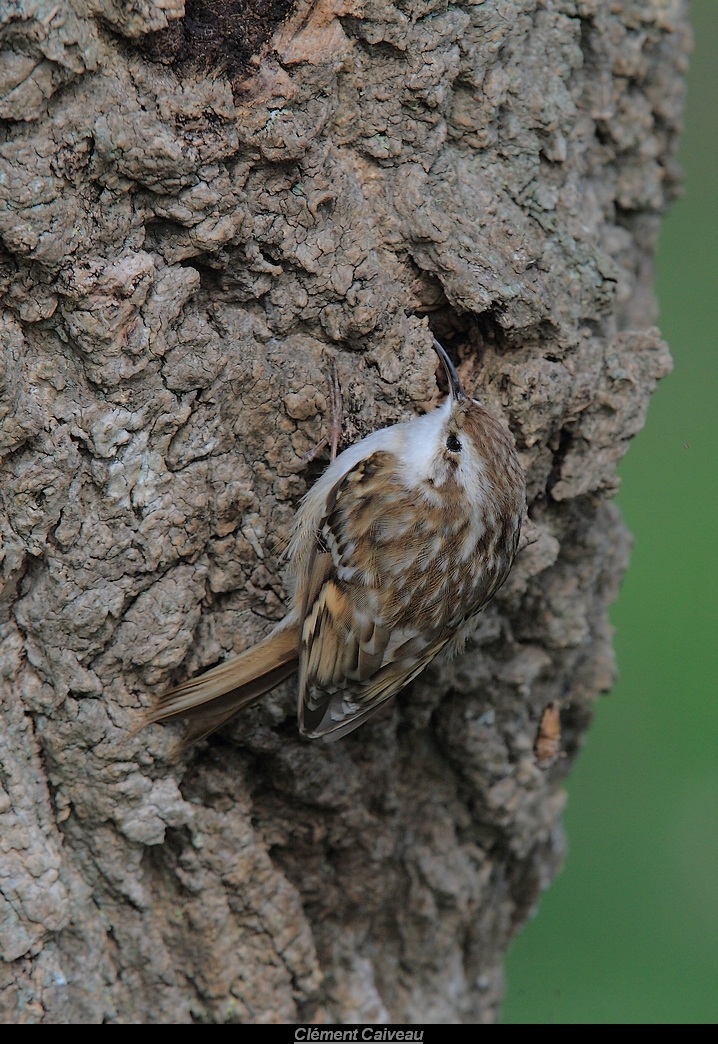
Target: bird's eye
(453, 444)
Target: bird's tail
(212, 698)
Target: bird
(395, 549)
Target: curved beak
(455, 389)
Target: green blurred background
(629, 932)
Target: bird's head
(459, 447)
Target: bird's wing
(360, 639)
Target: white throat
(421, 441)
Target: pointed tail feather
(217, 695)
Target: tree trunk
(198, 215)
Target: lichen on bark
(187, 244)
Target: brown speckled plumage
(403, 540)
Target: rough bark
(196, 219)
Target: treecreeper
(394, 551)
